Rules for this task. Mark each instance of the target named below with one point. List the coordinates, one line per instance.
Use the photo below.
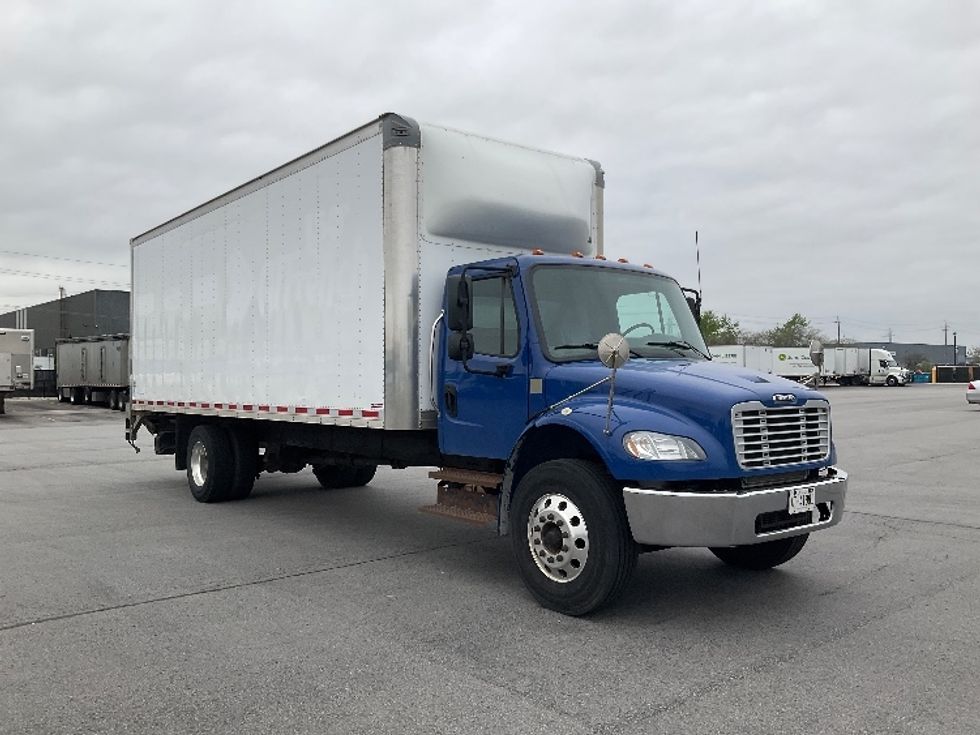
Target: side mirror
(460, 346)
(459, 308)
(693, 299)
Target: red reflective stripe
(193, 404)
(370, 414)
(180, 403)
(302, 409)
(246, 406)
(345, 411)
(263, 408)
(170, 403)
(204, 405)
(282, 409)
(323, 412)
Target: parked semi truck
(16, 367)
(93, 370)
(454, 308)
(862, 366)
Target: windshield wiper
(590, 346)
(678, 343)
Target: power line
(55, 277)
(58, 257)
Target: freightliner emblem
(784, 398)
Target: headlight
(650, 445)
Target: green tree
(973, 356)
(719, 329)
(794, 332)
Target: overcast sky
(828, 152)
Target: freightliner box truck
(453, 307)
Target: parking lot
(127, 607)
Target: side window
(495, 329)
(647, 308)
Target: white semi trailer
(843, 365)
(16, 362)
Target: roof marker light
(647, 265)
(577, 254)
(622, 260)
(537, 251)
(600, 257)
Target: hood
(702, 391)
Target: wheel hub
(558, 537)
(199, 463)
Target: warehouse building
(82, 315)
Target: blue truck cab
(666, 449)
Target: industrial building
(82, 315)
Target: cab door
(483, 402)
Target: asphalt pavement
(127, 607)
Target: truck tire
(334, 477)
(75, 396)
(113, 402)
(766, 555)
(570, 536)
(245, 451)
(210, 464)
(891, 381)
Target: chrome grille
(775, 437)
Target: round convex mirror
(614, 350)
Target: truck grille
(774, 437)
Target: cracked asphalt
(127, 607)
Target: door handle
(450, 400)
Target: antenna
(697, 255)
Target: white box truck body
(337, 260)
(16, 361)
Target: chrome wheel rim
(558, 537)
(199, 463)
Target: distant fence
(44, 385)
(955, 373)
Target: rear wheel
(245, 450)
(766, 555)
(210, 464)
(570, 536)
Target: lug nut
(551, 560)
(541, 553)
(559, 522)
(563, 548)
(558, 558)
(564, 534)
(537, 542)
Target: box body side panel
(273, 298)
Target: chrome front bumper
(678, 518)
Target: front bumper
(678, 518)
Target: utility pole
(954, 349)
(889, 335)
(945, 330)
(837, 322)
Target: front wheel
(571, 538)
(766, 555)
(891, 381)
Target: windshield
(578, 305)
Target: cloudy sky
(827, 152)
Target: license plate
(801, 499)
